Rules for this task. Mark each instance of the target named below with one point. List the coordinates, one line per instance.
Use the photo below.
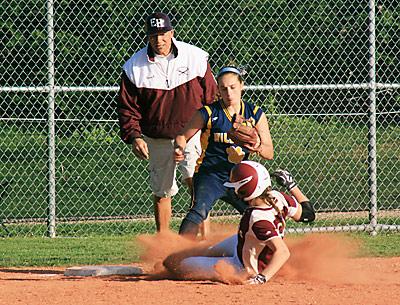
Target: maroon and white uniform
(260, 224)
(246, 251)
(157, 100)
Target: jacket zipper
(167, 74)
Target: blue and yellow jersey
(219, 153)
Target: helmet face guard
(249, 179)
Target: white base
(102, 270)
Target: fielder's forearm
(266, 151)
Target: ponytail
(270, 200)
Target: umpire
(162, 85)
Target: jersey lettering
(279, 224)
(219, 153)
(222, 137)
(251, 122)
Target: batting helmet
(249, 179)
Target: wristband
(258, 279)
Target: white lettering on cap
(157, 22)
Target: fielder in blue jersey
(219, 153)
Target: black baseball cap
(158, 23)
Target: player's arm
(191, 128)
(129, 115)
(266, 148)
(279, 257)
(305, 212)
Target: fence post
(372, 121)
(51, 217)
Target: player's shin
(188, 229)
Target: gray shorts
(162, 166)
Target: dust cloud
(327, 257)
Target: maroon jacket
(158, 105)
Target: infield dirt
(322, 269)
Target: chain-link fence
(326, 72)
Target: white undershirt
(163, 64)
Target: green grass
(384, 244)
(97, 175)
(19, 252)
(85, 229)
(23, 252)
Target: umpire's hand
(139, 148)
